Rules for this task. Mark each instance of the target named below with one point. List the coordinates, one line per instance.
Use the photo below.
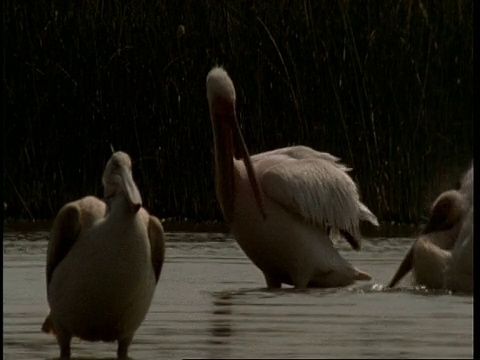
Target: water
(211, 302)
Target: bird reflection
(221, 325)
(221, 321)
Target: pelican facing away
(103, 263)
(442, 256)
(282, 204)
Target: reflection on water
(211, 303)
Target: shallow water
(211, 302)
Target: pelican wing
(315, 187)
(300, 152)
(156, 237)
(70, 221)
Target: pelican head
(117, 179)
(447, 210)
(229, 142)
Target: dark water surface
(211, 302)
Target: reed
(385, 86)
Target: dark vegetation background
(386, 86)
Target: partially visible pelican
(282, 204)
(459, 271)
(442, 257)
(103, 263)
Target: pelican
(103, 263)
(442, 256)
(281, 205)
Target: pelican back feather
(157, 244)
(316, 188)
(301, 152)
(156, 239)
(71, 220)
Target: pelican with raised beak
(281, 205)
(103, 263)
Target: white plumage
(103, 262)
(442, 257)
(312, 184)
(282, 204)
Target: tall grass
(385, 86)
